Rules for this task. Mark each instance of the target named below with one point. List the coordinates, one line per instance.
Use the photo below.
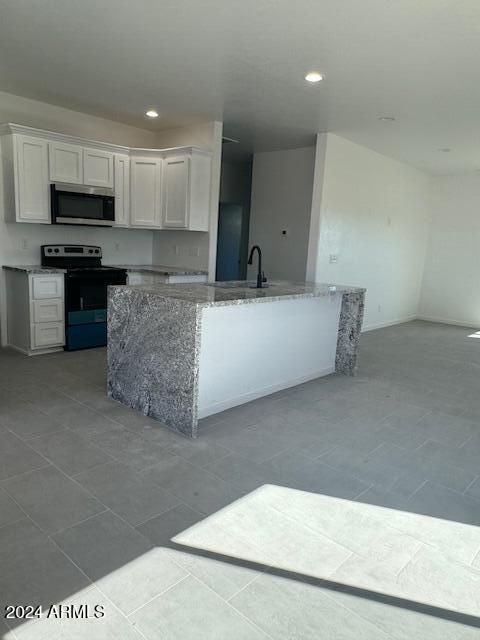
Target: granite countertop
(137, 268)
(161, 269)
(33, 268)
(239, 292)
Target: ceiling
(243, 62)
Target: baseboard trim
(457, 323)
(31, 352)
(259, 393)
(390, 323)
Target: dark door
(230, 242)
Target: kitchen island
(182, 352)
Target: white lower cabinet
(35, 311)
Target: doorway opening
(234, 218)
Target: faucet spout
(261, 279)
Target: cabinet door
(98, 168)
(145, 192)
(66, 163)
(122, 190)
(176, 192)
(32, 189)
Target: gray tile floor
(92, 494)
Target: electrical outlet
(117, 246)
(24, 243)
(194, 251)
(333, 259)
(379, 308)
(176, 249)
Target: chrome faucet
(261, 279)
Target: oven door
(75, 204)
(86, 306)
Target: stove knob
(57, 250)
(97, 250)
(49, 250)
(90, 251)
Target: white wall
(41, 115)
(281, 199)
(196, 250)
(372, 212)
(451, 290)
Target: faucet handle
(264, 277)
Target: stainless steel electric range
(86, 282)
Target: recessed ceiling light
(314, 76)
(445, 150)
(387, 118)
(152, 113)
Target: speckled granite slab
(153, 356)
(161, 269)
(33, 268)
(154, 340)
(349, 328)
(234, 292)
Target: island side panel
(252, 349)
(153, 356)
(349, 328)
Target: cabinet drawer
(46, 287)
(47, 310)
(47, 334)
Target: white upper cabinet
(176, 192)
(186, 190)
(25, 179)
(98, 168)
(66, 162)
(145, 192)
(32, 197)
(154, 188)
(122, 190)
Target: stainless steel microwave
(77, 204)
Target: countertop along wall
(371, 213)
(451, 291)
